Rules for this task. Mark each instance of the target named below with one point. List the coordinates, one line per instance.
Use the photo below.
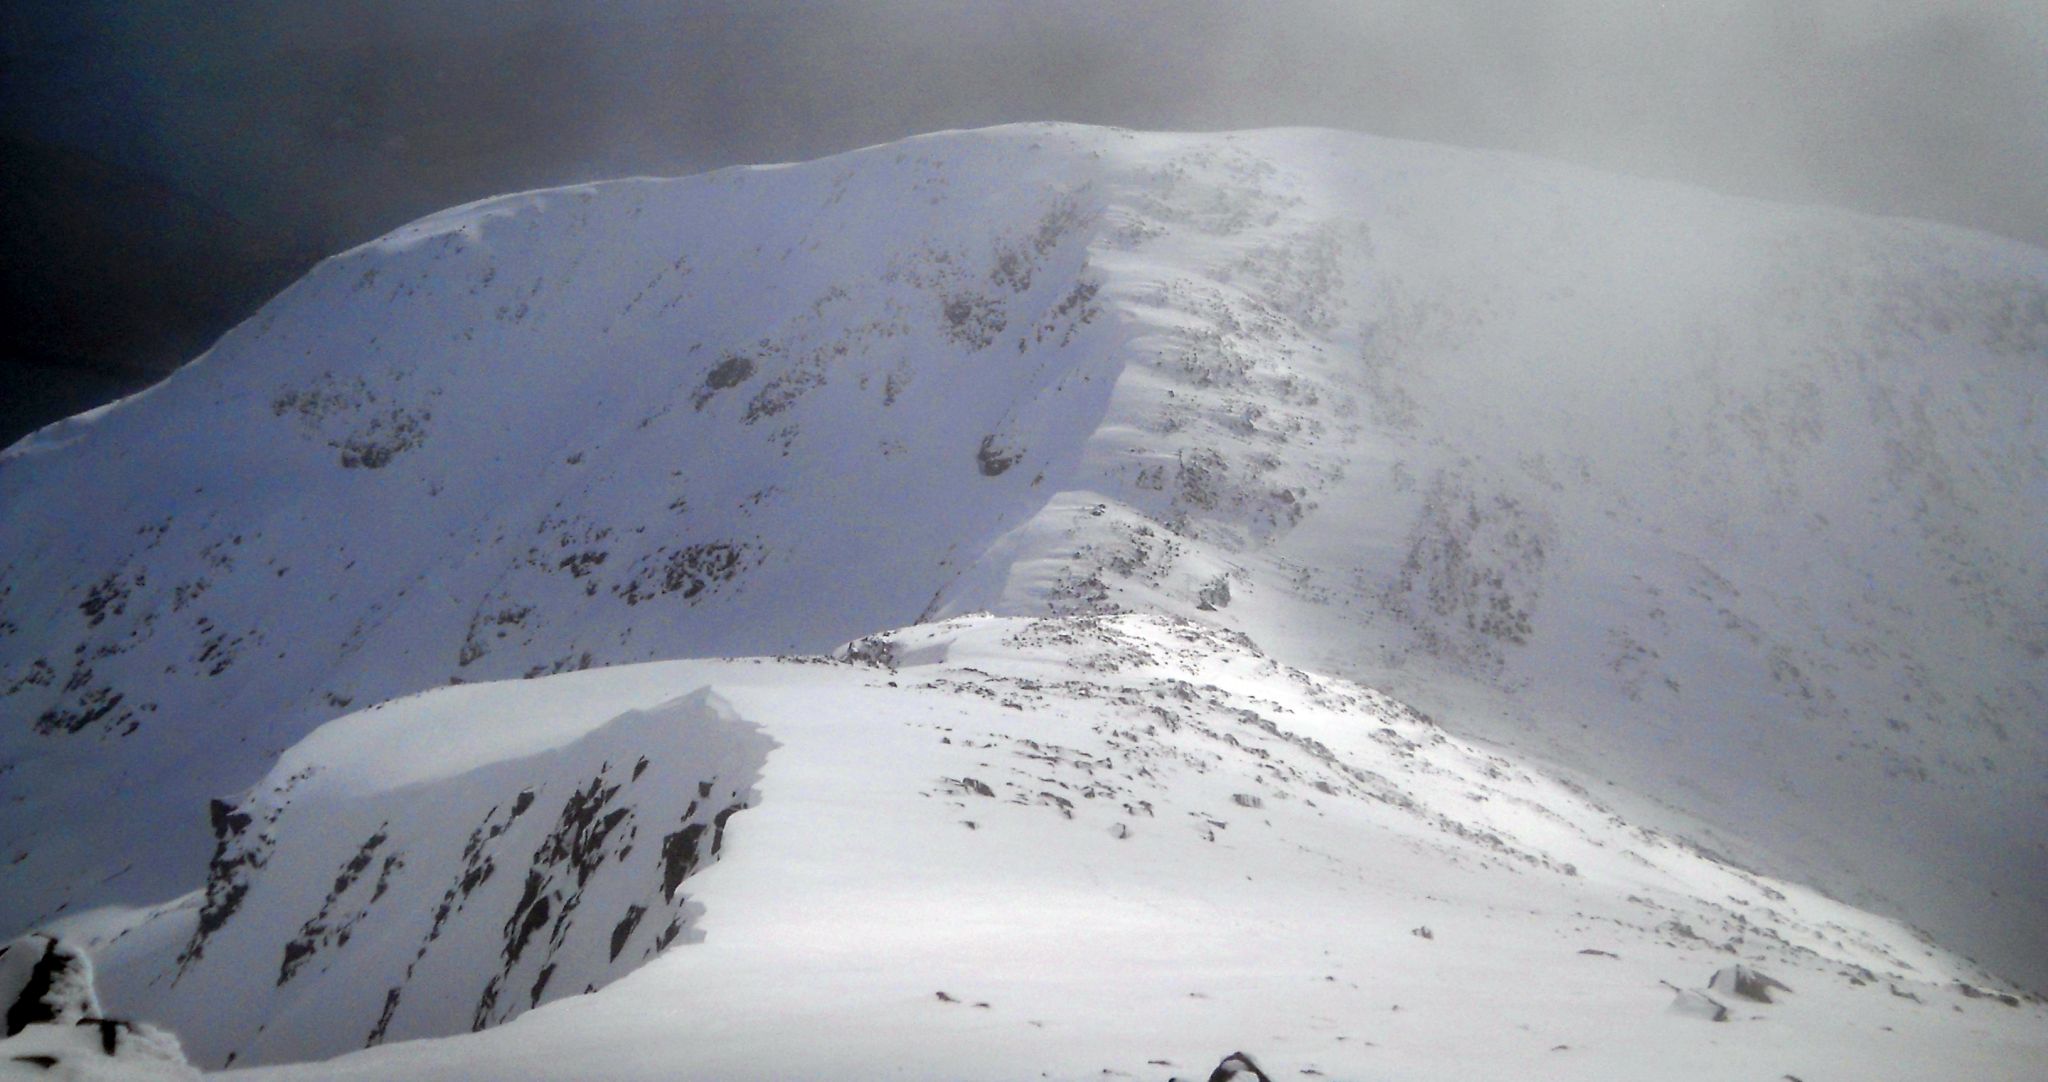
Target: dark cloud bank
(167, 166)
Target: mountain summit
(1730, 509)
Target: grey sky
(170, 163)
(1904, 106)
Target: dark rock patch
(540, 984)
(528, 917)
(689, 571)
(679, 857)
(623, 931)
(718, 826)
(1746, 983)
(44, 980)
(1238, 1067)
(1973, 992)
(729, 373)
(993, 460)
(484, 1005)
(227, 876)
(391, 998)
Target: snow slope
(987, 847)
(1736, 505)
(567, 823)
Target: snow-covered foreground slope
(432, 867)
(986, 848)
(1736, 505)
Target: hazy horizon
(174, 166)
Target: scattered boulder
(994, 459)
(1236, 1067)
(1747, 983)
(1698, 1005)
(876, 650)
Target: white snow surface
(71, 1053)
(1085, 846)
(51, 1026)
(1731, 512)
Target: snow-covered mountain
(1732, 510)
(984, 848)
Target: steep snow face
(1739, 505)
(754, 411)
(441, 865)
(1735, 504)
(989, 847)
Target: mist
(171, 166)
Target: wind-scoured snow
(985, 848)
(436, 866)
(1078, 845)
(1732, 505)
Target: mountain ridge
(1051, 816)
(1371, 403)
